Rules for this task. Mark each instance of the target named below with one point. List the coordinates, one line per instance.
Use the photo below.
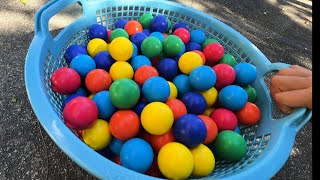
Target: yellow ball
(208, 111)
(91, 96)
(157, 118)
(95, 46)
(97, 136)
(188, 61)
(204, 161)
(121, 49)
(210, 96)
(121, 69)
(175, 161)
(173, 91)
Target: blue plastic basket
(269, 143)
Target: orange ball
(202, 55)
(133, 27)
(249, 115)
(143, 73)
(177, 107)
(157, 141)
(98, 80)
(212, 129)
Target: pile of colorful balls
(157, 99)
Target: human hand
(292, 87)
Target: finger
(287, 83)
(294, 98)
(307, 71)
(294, 72)
(285, 109)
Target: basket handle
(300, 116)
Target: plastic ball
(80, 113)
(252, 94)
(73, 51)
(212, 129)
(197, 36)
(188, 61)
(159, 23)
(158, 141)
(121, 23)
(228, 59)
(183, 34)
(173, 91)
(121, 49)
(98, 80)
(249, 115)
(225, 119)
(85, 45)
(204, 161)
(69, 98)
(145, 20)
(95, 46)
(103, 102)
(201, 55)
(183, 50)
(193, 46)
(124, 124)
(144, 73)
(246, 74)
(208, 111)
(135, 51)
(136, 154)
(168, 68)
(233, 97)
(116, 159)
(133, 27)
(202, 78)
(91, 96)
(98, 135)
(139, 107)
(158, 35)
(172, 46)
(237, 130)
(124, 93)
(139, 61)
(97, 31)
(177, 107)
(121, 69)
(210, 95)
(151, 47)
(169, 25)
(138, 38)
(156, 89)
(229, 146)
(109, 34)
(225, 75)
(83, 64)
(103, 60)
(157, 118)
(154, 170)
(208, 41)
(213, 52)
(190, 130)
(116, 145)
(182, 83)
(147, 32)
(81, 91)
(118, 33)
(175, 161)
(195, 103)
(65, 80)
(155, 61)
(179, 25)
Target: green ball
(169, 25)
(119, 32)
(145, 20)
(252, 93)
(228, 59)
(229, 146)
(124, 93)
(208, 41)
(151, 47)
(172, 46)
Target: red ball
(165, 35)
(157, 141)
(155, 61)
(65, 80)
(249, 115)
(109, 33)
(98, 80)
(154, 169)
(225, 75)
(177, 107)
(183, 34)
(133, 27)
(212, 129)
(80, 113)
(79, 134)
(213, 52)
(201, 54)
(225, 119)
(117, 160)
(124, 124)
(143, 73)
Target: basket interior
(108, 16)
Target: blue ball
(156, 89)
(139, 61)
(103, 60)
(195, 103)
(103, 102)
(137, 38)
(233, 97)
(197, 36)
(179, 25)
(183, 50)
(146, 32)
(246, 74)
(121, 23)
(202, 78)
(190, 130)
(135, 51)
(158, 35)
(73, 51)
(106, 152)
(83, 64)
(82, 92)
(193, 46)
(116, 145)
(97, 31)
(237, 130)
(168, 68)
(69, 98)
(139, 107)
(182, 83)
(85, 45)
(136, 154)
(159, 23)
